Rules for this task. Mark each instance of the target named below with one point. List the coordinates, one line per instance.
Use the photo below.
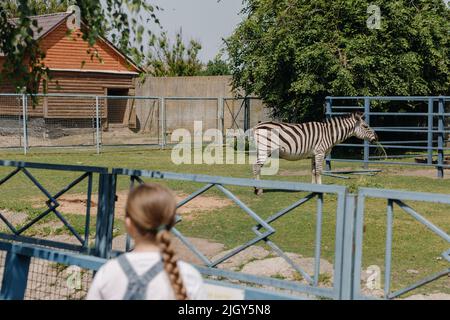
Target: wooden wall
(70, 107)
(69, 51)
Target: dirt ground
(77, 204)
(118, 136)
(427, 173)
(408, 172)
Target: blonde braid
(164, 242)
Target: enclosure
(103, 121)
(414, 130)
(300, 222)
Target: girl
(150, 271)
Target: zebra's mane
(345, 116)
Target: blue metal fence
(263, 228)
(433, 133)
(84, 173)
(349, 235)
(396, 199)
(19, 257)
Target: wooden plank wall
(69, 51)
(70, 107)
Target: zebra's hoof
(258, 192)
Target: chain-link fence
(49, 280)
(54, 281)
(11, 121)
(59, 121)
(2, 266)
(76, 120)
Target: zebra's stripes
(307, 140)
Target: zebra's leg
(318, 159)
(313, 170)
(261, 158)
(257, 172)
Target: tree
(177, 59)
(37, 6)
(293, 53)
(124, 21)
(216, 67)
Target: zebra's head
(362, 130)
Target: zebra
(307, 140)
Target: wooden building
(74, 70)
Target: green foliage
(293, 53)
(173, 59)
(38, 7)
(123, 20)
(216, 67)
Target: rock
(377, 293)
(412, 271)
(66, 238)
(236, 262)
(278, 267)
(15, 218)
(208, 248)
(433, 296)
(119, 242)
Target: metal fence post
(105, 215)
(441, 136)
(366, 143)
(348, 248)
(15, 276)
(328, 113)
(25, 122)
(246, 114)
(430, 131)
(220, 115)
(97, 122)
(162, 118)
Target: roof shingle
(47, 22)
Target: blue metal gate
(349, 222)
(433, 136)
(263, 230)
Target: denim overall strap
(137, 285)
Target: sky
(207, 21)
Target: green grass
(414, 246)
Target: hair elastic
(162, 227)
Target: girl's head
(150, 213)
(149, 207)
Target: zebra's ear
(359, 115)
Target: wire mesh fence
(58, 121)
(2, 266)
(77, 120)
(11, 121)
(130, 121)
(244, 113)
(53, 281)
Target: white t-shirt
(110, 282)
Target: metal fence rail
(263, 230)
(17, 285)
(31, 171)
(396, 199)
(433, 133)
